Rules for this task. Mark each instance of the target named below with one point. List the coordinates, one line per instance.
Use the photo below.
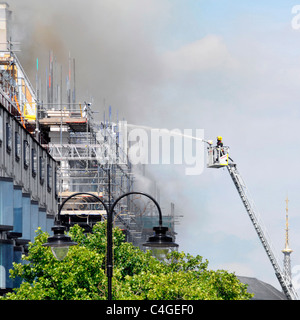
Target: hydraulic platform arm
(284, 280)
(218, 157)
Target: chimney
(5, 19)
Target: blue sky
(193, 19)
(254, 104)
(231, 68)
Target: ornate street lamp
(60, 243)
(160, 243)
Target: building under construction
(52, 147)
(92, 158)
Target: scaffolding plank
(84, 212)
(66, 194)
(63, 120)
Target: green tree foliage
(137, 275)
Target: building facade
(28, 193)
(51, 148)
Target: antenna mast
(287, 250)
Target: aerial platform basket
(217, 157)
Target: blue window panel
(26, 209)
(18, 219)
(6, 260)
(17, 259)
(6, 202)
(34, 219)
(50, 224)
(42, 219)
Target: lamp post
(60, 242)
(160, 244)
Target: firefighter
(219, 142)
(220, 151)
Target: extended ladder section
(218, 157)
(283, 279)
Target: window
(26, 154)
(17, 146)
(55, 183)
(49, 177)
(1, 130)
(42, 170)
(33, 162)
(8, 137)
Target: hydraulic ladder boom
(283, 279)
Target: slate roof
(262, 290)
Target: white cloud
(209, 52)
(240, 269)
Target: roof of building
(262, 290)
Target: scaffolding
(91, 154)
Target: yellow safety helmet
(219, 138)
